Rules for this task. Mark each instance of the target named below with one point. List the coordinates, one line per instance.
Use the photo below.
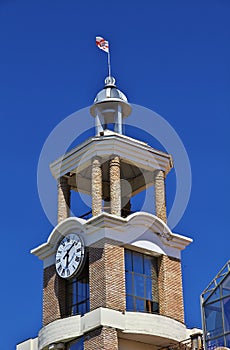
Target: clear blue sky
(170, 56)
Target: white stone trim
(155, 325)
(140, 229)
(30, 344)
(154, 328)
(127, 148)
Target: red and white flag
(102, 44)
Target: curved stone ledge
(139, 229)
(152, 329)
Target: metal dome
(110, 95)
(110, 91)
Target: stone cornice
(140, 229)
(128, 149)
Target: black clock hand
(67, 260)
(68, 250)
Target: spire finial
(110, 81)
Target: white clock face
(69, 256)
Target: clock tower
(112, 278)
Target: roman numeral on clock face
(69, 255)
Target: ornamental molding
(143, 230)
(129, 150)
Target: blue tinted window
(140, 295)
(216, 312)
(139, 287)
(138, 263)
(129, 303)
(214, 325)
(74, 293)
(213, 344)
(128, 282)
(147, 266)
(128, 260)
(81, 290)
(226, 304)
(228, 341)
(79, 345)
(226, 286)
(214, 296)
(78, 293)
(140, 305)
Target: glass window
(226, 286)
(148, 266)
(138, 262)
(216, 311)
(128, 260)
(213, 316)
(139, 286)
(227, 341)
(226, 306)
(140, 305)
(78, 345)
(78, 293)
(141, 282)
(129, 303)
(129, 282)
(214, 296)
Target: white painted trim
(29, 344)
(155, 328)
(143, 230)
(127, 148)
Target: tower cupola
(110, 107)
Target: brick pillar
(107, 275)
(103, 338)
(96, 187)
(115, 186)
(125, 206)
(160, 205)
(170, 288)
(54, 301)
(63, 199)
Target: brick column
(63, 199)
(96, 187)
(107, 275)
(115, 186)
(160, 205)
(170, 288)
(125, 206)
(103, 338)
(54, 302)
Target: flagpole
(109, 65)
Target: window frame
(72, 307)
(150, 305)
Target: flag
(102, 44)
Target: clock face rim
(72, 253)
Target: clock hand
(67, 260)
(68, 250)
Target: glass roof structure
(215, 304)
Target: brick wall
(101, 338)
(170, 288)
(54, 303)
(107, 284)
(107, 276)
